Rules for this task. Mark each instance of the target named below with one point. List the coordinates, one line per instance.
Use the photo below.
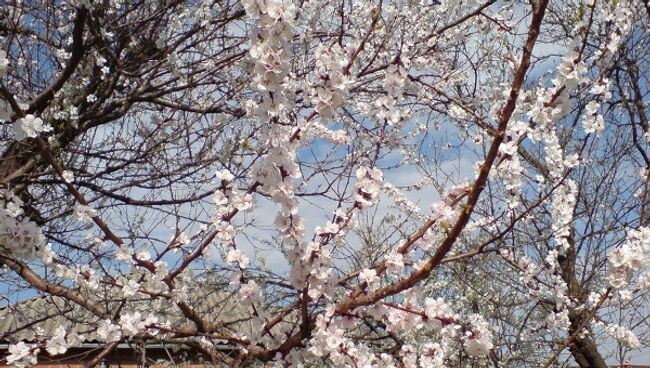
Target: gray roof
(22, 320)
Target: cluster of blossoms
(109, 332)
(414, 356)
(25, 355)
(478, 342)
(251, 293)
(229, 200)
(310, 260)
(315, 258)
(19, 236)
(329, 84)
(395, 81)
(152, 280)
(270, 52)
(630, 257)
(270, 49)
(321, 279)
(62, 340)
(434, 317)
(329, 340)
(592, 121)
(130, 288)
(510, 170)
(444, 211)
(133, 323)
(551, 105)
(368, 186)
(86, 277)
(276, 174)
(22, 355)
(288, 112)
(624, 336)
(317, 130)
(564, 201)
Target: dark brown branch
(40, 102)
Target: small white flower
(143, 255)
(234, 255)
(108, 332)
(509, 148)
(225, 174)
(84, 214)
(183, 239)
(123, 254)
(226, 232)
(478, 343)
(395, 262)
(30, 126)
(67, 176)
(369, 276)
(132, 323)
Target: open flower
(57, 345)
(30, 126)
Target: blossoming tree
(369, 183)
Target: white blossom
(130, 288)
(624, 336)
(478, 342)
(84, 213)
(30, 126)
(57, 344)
(236, 256)
(22, 355)
(108, 332)
(225, 175)
(368, 185)
(369, 276)
(67, 176)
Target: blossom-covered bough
(361, 183)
